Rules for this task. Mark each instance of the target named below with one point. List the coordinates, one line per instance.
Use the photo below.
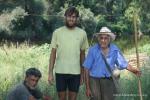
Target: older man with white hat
(99, 65)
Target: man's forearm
(87, 79)
(82, 57)
(52, 60)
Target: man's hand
(134, 70)
(88, 93)
(137, 72)
(50, 79)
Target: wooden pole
(137, 54)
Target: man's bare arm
(82, 58)
(51, 64)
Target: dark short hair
(33, 71)
(71, 10)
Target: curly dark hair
(71, 10)
(33, 71)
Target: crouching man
(27, 89)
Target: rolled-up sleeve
(84, 44)
(89, 60)
(121, 61)
(54, 40)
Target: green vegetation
(127, 44)
(14, 61)
(35, 20)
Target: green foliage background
(14, 61)
(35, 20)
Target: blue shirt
(96, 65)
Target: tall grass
(128, 81)
(14, 61)
(127, 44)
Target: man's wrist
(50, 70)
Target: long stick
(137, 54)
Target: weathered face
(104, 40)
(31, 81)
(71, 20)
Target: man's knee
(72, 95)
(62, 95)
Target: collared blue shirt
(96, 65)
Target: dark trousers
(102, 88)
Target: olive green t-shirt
(68, 43)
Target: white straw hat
(105, 30)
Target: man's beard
(70, 26)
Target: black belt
(102, 77)
(106, 78)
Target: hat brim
(112, 35)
